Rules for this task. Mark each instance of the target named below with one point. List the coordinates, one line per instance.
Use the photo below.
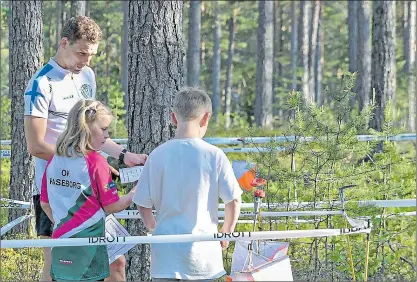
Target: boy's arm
(232, 211)
(147, 217)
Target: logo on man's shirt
(86, 91)
(109, 186)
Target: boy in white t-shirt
(184, 179)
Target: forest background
(309, 68)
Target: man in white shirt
(184, 179)
(49, 96)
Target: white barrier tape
(132, 214)
(13, 223)
(377, 203)
(157, 239)
(13, 204)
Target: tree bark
(264, 65)
(277, 72)
(78, 8)
(194, 41)
(294, 44)
(216, 65)
(304, 29)
(125, 48)
(312, 51)
(410, 57)
(229, 67)
(363, 79)
(88, 7)
(59, 9)
(106, 95)
(383, 59)
(318, 84)
(353, 35)
(26, 56)
(155, 62)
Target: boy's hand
(224, 244)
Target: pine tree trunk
(264, 65)
(353, 35)
(78, 8)
(383, 59)
(406, 26)
(229, 67)
(49, 36)
(194, 41)
(106, 97)
(88, 7)
(363, 80)
(312, 51)
(58, 29)
(318, 83)
(410, 63)
(125, 48)
(216, 65)
(294, 44)
(304, 35)
(26, 55)
(155, 62)
(277, 73)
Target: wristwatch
(122, 156)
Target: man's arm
(131, 159)
(147, 217)
(35, 129)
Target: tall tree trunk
(264, 65)
(383, 59)
(318, 83)
(58, 30)
(363, 80)
(78, 8)
(26, 57)
(125, 48)
(229, 67)
(312, 51)
(49, 35)
(106, 97)
(410, 57)
(353, 35)
(194, 40)
(216, 65)
(277, 72)
(406, 33)
(156, 64)
(63, 13)
(88, 7)
(294, 44)
(203, 42)
(304, 35)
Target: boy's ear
(174, 118)
(204, 121)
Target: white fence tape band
(236, 236)
(401, 203)
(13, 204)
(236, 140)
(132, 214)
(13, 223)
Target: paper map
(114, 228)
(130, 174)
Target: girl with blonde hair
(77, 189)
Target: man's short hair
(190, 103)
(82, 27)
